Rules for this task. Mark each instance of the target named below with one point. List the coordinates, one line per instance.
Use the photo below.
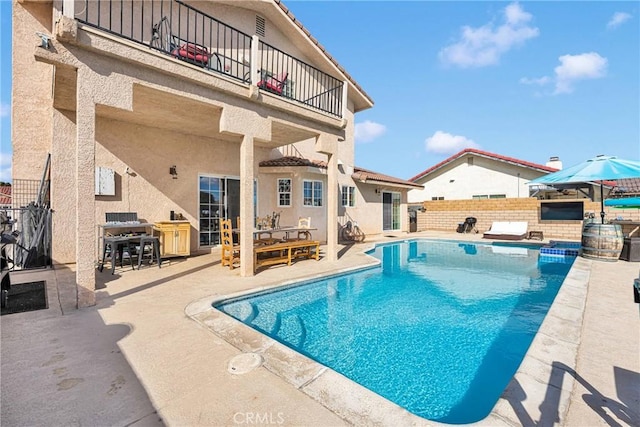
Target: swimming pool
(439, 327)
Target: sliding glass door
(390, 211)
(219, 199)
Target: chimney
(555, 162)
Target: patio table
(270, 231)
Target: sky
(528, 80)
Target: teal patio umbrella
(600, 168)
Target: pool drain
(245, 362)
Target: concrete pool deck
(137, 358)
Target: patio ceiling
(163, 110)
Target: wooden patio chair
(303, 222)
(230, 254)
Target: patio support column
(246, 206)
(328, 144)
(332, 207)
(68, 8)
(85, 189)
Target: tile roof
(5, 195)
(293, 161)
(486, 154)
(627, 186)
(359, 174)
(367, 176)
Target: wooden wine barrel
(602, 241)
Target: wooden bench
(285, 252)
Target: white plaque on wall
(105, 182)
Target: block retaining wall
(445, 215)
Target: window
(348, 196)
(312, 193)
(284, 192)
(488, 196)
(437, 198)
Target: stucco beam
(326, 144)
(240, 121)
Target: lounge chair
(507, 230)
(274, 84)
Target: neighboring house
(210, 109)
(5, 196)
(476, 174)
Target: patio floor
(137, 358)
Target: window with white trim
(348, 196)
(284, 192)
(312, 193)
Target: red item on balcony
(274, 84)
(192, 53)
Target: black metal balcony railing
(299, 81)
(179, 30)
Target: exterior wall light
(173, 172)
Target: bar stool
(154, 246)
(116, 245)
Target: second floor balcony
(181, 31)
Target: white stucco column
(332, 207)
(246, 206)
(63, 185)
(68, 8)
(85, 190)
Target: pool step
(266, 321)
(292, 331)
(243, 311)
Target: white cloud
(578, 67)
(618, 19)
(5, 110)
(572, 68)
(479, 47)
(445, 143)
(540, 81)
(367, 131)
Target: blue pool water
(438, 328)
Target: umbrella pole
(601, 203)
